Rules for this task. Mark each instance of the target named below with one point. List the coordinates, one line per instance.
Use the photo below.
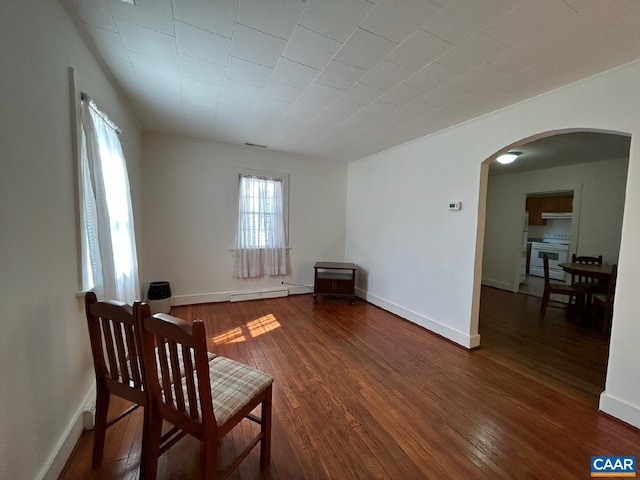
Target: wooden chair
(115, 345)
(211, 399)
(604, 301)
(576, 295)
(588, 284)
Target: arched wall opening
(499, 248)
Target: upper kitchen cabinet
(536, 206)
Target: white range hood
(556, 215)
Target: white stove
(556, 247)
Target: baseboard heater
(258, 294)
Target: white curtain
(110, 264)
(260, 237)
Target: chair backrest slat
(121, 350)
(587, 260)
(191, 387)
(133, 348)
(107, 340)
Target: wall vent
(89, 415)
(258, 294)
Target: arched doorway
(565, 355)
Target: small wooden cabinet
(334, 278)
(537, 205)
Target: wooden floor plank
(361, 393)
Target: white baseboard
(496, 284)
(620, 409)
(443, 330)
(61, 453)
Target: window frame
(282, 176)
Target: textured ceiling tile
(202, 44)
(443, 95)
(195, 92)
(419, 49)
(461, 19)
(248, 72)
(396, 19)
(481, 77)
(386, 75)
(472, 52)
(94, 12)
(321, 93)
(364, 49)
(281, 92)
(213, 16)
(528, 20)
(154, 72)
(432, 76)
(276, 17)
(197, 69)
(362, 94)
(378, 109)
(294, 73)
(336, 19)
(255, 46)
(307, 107)
(414, 109)
(240, 90)
(147, 42)
(340, 75)
(107, 42)
(310, 48)
(525, 55)
(154, 14)
(402, 94)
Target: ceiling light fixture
(507, 158)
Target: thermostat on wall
(455, 206)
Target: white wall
(45, 360)
(597, 216)
(421, 259)
(189, 215)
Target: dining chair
(212, 398)
(604, 301)
(576, 295)
(589, 284)
(115, 346)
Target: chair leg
(543, 305)
(100, 428)
(265, 444)
(151, 438)
(209, 458)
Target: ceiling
(343, 79)
(565, 149)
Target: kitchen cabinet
(537, 205)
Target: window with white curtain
(261, 242)
(110, 265)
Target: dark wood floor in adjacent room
(360, 393)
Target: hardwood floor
(360, 393)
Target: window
(261, 235)
(110, 265)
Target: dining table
(598, 271)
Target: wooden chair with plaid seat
(211, 400)
(115, 346)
